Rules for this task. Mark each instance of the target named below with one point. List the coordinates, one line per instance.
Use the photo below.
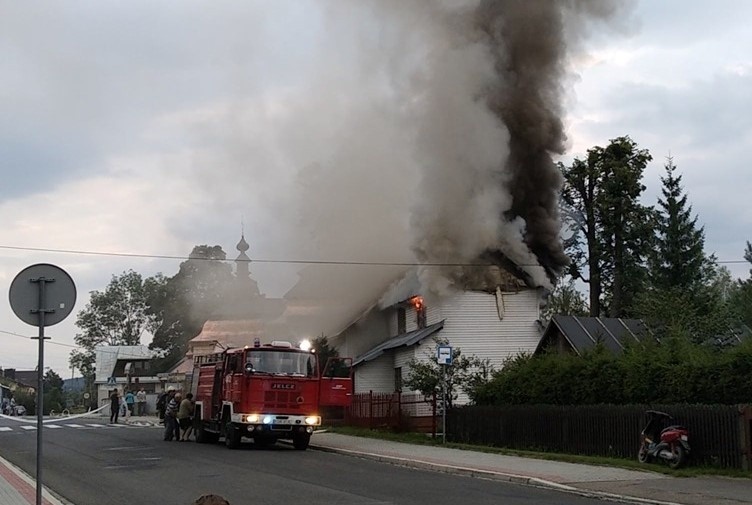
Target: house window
(401, 320)
(398, 379)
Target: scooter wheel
(680, 456)
(642, 454)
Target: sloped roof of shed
(403, 340)
(584, 333)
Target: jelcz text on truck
(266, 393)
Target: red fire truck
(266, 393)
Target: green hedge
(675, 371)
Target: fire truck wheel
(300, 442)
(232, 436)
(205, 437)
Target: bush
(675, 371)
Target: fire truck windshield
(295, 363)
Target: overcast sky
(150, 127)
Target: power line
(71, 346)
(280, 261)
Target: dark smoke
(529, 44)
(492, 196)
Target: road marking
(28, 427)
(76, 425)
(6, 428)
(95, 425)
(130, 448)
(53, 426)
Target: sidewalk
(17, 488)
(629, 486)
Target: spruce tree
(679, 261)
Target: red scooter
(660, 439)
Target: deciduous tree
(612, 229)
(184, 302)
(465, 374)
(565, 299)
(324, 351)
(119, 315)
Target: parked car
(20, 410)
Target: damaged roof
(403, 340)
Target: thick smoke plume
(414, 132)
(491, 185)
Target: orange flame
(417, 302)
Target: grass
(423, 439)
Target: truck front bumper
(277, 422)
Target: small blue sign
(444, 354)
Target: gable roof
(404, 340)
(584, 333)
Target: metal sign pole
(444, 359)
(41, 311)
(443, 404)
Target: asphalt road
(94, 464)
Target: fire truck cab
(266, 393)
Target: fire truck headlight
(252, 418)
(313, 420)
(268, 420)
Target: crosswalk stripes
(82, 426)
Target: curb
(48, 495)
(488, 474)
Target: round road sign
(59, 294)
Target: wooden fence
(393, 411)
(719, 435)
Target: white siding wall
(376, 375)
(472, 323)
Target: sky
(133, 131)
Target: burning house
(492, 321)
(482, 216)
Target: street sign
(86, 396)
(444, 354)
(42, 295)
(59, 293)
